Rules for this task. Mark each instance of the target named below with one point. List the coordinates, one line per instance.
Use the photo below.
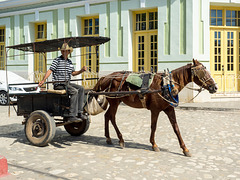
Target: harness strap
(142, 98)
(176, 101)
(144, 88)
(167, 89)
(121, 83)
(110, 85)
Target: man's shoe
(82, 116)
(74, 119)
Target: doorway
(145, 45)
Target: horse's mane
(182, 68)
(182, 74)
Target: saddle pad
(136, 79)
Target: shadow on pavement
(38, 172)
(62, 139)
(15, 131)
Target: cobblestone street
(213, 138)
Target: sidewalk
(221, 105)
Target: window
(141, 22)
(216, 17)
(153, 56)
(230, 51)
(40, 31)
(2, 35)
(91, 26)
(146, 21)
(153, 20)
(224, 17)
(232, 18)
(2, 48)
(217, 51)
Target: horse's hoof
(187, 153)
(109, 142)
(122, 145)
(156, 149)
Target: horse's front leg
(154, 118)
(107, 134)
(172, 117)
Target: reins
(196, 71)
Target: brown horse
(154, 102)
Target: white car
(15, 89)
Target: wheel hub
(38, 129)
(3, 99)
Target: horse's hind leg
(172, 117)
(111, 115)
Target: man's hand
(48, 73)
(74, 73)
(84, 68)
(41, 83)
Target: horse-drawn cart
(156, 91)
(46, 110)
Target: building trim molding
(53, 7)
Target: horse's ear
(195, 62)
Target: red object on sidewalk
(3, 166)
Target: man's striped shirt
(62, 69)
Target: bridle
(200, 72)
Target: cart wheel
(3, 98)
(77, 129)
(40, 128)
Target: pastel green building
(146, 35)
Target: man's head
(66, 50)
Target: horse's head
(202, 77)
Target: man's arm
(74, 73)
(48, 73)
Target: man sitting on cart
(62, 69)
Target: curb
(208, 108)
(3, 167)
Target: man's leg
(81, 97)
(74, 100)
